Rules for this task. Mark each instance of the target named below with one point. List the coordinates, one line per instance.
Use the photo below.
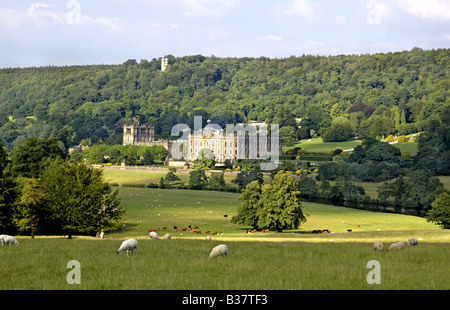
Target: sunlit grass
(316, 145)
(184, 264)
(291, 260)
(153, 208)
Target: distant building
(137, 134)
(164, 63)
(210, 141)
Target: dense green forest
(353, 95)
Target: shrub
(290, 152)
(337, 152)
(402, 139)
(390, 138)
(341, 129)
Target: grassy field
(185, 265)
(142, 177)
(153, 208)
(139, 176)
(316, 145)
(291, 260)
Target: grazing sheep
(8, 240)
(153, 235)
(219, 250)
(412, 241)
(127, 245)
(208, 238)
(377, 245)
(167, 236)
(396, 246)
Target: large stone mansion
(245, 142)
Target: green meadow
(153, 208)
(291, 260)
(316, 145)
(177, 264)
(142, 177)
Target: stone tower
(164, 63)
(137, 134)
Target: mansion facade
(212, 142)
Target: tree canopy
(30, 157)
(440, 211)
(77, 198)
(272, 206)
(380, 94)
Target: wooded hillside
(380, 94)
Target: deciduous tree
(197, 179)
(29, 158)
(280, 205)
(79, 199)
(440, 211)
(248, 211)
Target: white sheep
(219, 250)
(128, 245)
(396, 246)
(8, 240)
(412, 241)
(167, 236)
(377, 245)
(153, 235)
(208, 238)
